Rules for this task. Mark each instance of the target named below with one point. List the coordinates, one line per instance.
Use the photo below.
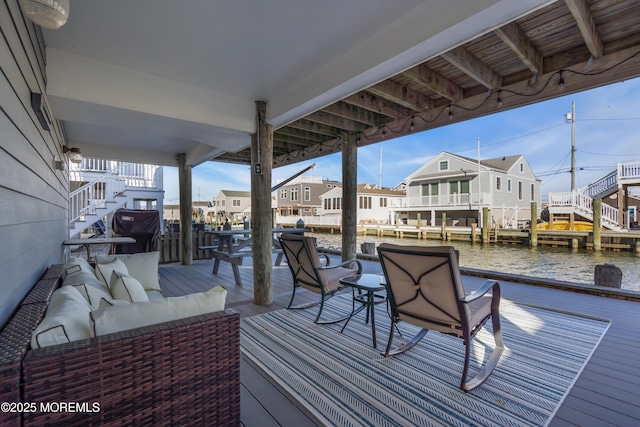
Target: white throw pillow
(66, 320)
(143, 266)
(104, 271)
(124, 317)
(126, 288)
(76, 265)
(111, 302)
(93, 294)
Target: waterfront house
(375, 205)
(231, 204)
(180, 89)
(301, 197)
(460, 187)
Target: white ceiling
(145, 80)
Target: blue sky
(607, 132)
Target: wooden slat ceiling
(580, 43)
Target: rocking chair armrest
(343, 264)
(326, 257)
(488, 285)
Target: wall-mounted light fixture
(75, 156)
(50, 14)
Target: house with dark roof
(461, 187)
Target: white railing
(603, 184)
(629, 171)
(115, 178)
(135, 175)
(457, 199)
(86, 199)
(583, 205)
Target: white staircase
(581, 202)
(111, 185)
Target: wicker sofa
(174, 373)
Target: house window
(509, 185)
(533, 192)
(236, 202)
(383, 202)
(307, 194)
(306, 210)
(498, 183)
(365, 202)
(434, 189)
(521, 167)
(327, 204)
(453, 187)
(294, 194)
(223, 202)
(519, 190)
(464, 186)
(444, 165)
(283, 193)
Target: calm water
(555, 263)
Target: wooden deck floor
(607, 393)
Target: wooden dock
(607, 392)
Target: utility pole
(572, 116)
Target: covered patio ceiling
(147, 80)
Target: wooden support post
(575, 243)
(419, 223)
(473, 232)
(572, 221)
(485, 225)
(621, 206)
(444, 226)
(550, 221)
(349, 197)
(534, 225)
(627, 223)
(261, 166)
(597, 233)
(184, 183)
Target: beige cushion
(126, 288)
(142, 266)
(66, 319)
(124, 317)
(93, 294)
(154, 295)
(104, 271)
(76, 265)
(111, 302)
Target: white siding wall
(33, 194)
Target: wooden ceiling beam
(370, 102)
(314, 127)
(297, 133)
(429, 79)
(520, 44)
(402, 95)
(338, 122)
(292, 142)
(582, 15)
(351, 112)
(466, 62)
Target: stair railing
(93, 195)
(603, 184)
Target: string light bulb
(411, 125)
(499, 100)
(450, 113)
(561, 82)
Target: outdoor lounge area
(605, 392)
(276, 84)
